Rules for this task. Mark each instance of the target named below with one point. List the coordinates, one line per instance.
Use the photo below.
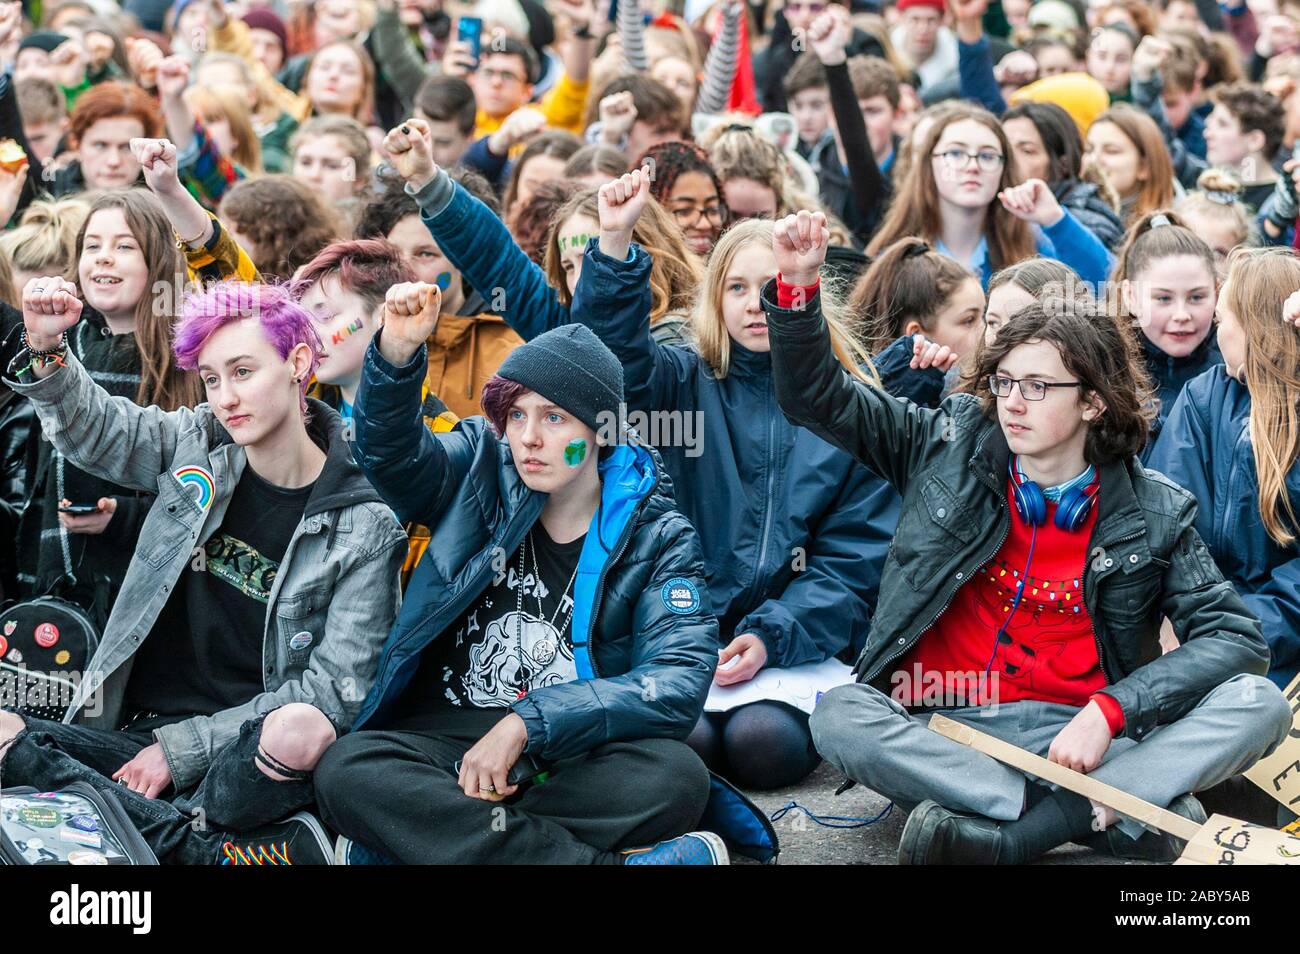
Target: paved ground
(803, 842)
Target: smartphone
(80, 510)
(470, 30)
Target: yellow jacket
(563, 106)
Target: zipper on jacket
(767, 506)
(628, 533)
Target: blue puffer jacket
(645, 640)
(1170, 375)
(1205, 447)
(794, 531)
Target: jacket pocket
(300, 625)
(935, 527)
(1129, 606)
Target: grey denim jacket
(335, 595)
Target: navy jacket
(794, 531)
(1206, 448)
(1170, 375)
(645, 640)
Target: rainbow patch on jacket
(198, 483)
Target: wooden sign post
(1220, 841)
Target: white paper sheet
(799, 686)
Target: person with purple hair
(250, 621)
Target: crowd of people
(439, 410)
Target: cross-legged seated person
(557, 623)
(249, 625)
(1033, 562)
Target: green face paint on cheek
(575, 452)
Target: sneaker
(935, 835)
(693, 848)
(299, 840)
(349, 852)
(1152, 845)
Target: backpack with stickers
(74, 826)
(45, 646)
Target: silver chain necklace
(544, 650)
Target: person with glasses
(686, 184)
(503, 80)
(1023, 594)
(961, 197)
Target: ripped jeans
(186, 828)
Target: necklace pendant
(544, 652)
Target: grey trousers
(875, 741)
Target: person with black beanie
(556, 641)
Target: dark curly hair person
(684, 182)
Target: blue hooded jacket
(1170, 375)
(641, 614)
(794, 531)
(1205, 446)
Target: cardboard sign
(1226, 841)
(1221, 840)
(1279, 774)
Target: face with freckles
(751, 268)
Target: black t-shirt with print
(476, 662)
(204, 653)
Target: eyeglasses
(505, 76)
(688, 215)
(988, 160)
(1031, 389)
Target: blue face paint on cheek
(575, 452)
(443, 280)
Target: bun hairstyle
(908, 281)
(1217, 197)
(1157, 235)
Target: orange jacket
(463, 353)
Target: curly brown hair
(286, 222)
(1098, 353)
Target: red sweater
(1048, 652)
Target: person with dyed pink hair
(250, 622)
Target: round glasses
(986, 159)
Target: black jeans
(394, 790)
(183, 828)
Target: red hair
(365, 267)
(113, 100)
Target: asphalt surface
(805, 843)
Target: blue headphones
(1071, 512)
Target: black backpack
(77, 825)
(45, 646)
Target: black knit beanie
(571, 367)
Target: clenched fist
(50, 307)
(410, 314)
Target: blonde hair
(210, 105)
(1259, 282)
(1217, 196)
(45, 240)
(709, 330)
